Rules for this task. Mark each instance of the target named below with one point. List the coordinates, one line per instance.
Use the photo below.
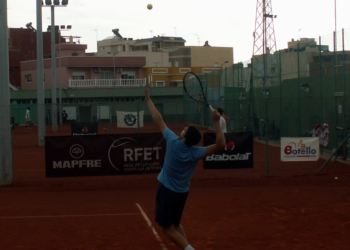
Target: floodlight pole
(6, 174)
(40, 76)
(53, 72)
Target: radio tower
(265, 62)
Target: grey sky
(225, 23)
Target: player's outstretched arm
(157, 117)
(220, 138)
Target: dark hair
(193, 136)
(220, 110)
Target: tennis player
(181, 158)
(222, 120)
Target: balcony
(106, 83)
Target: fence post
(138, 116)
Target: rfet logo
(128, 152)
(115, 152)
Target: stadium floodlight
(69, 27)
(56, 2)
(48, 2)
(64, 2)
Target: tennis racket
(194, 88)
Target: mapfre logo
(76, 151)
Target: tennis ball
(336, 178)
(149, 6)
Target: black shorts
(169, 206)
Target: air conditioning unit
(97, 69)
(119, 70)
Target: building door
(85, 113)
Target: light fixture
(48, 2)
(304, 87)
(265, 91)
(223, 64)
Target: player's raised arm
(157, 117)
(220, 138)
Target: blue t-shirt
(179, 163)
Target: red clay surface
(292, 206)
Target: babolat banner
(238, 152)
(90, 128)
(104, 154)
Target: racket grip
(211, 108)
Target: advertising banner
(300, 148)
(129, 119)
(90, 128)
(238, 152)
(104, 154)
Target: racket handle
(211, 108)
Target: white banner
(300, 148)
(129, 119)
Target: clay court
(292, 206)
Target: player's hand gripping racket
(194, 88)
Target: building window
(216, 64)
(78, 75)
(74, 54)
(160, 83)
(14, 69)
(105, 75)
(29, 78)
(176, 63)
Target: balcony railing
(106, 83)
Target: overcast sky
(224, 23)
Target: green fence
(300, 87)
(281, 94)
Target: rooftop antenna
(151, 33)
(199, 41)
(175, 31)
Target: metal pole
(53, 71)
(6, 174)
(344, 82)
(40, 76)
(60, 79)
(299, 110)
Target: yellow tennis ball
(149, 6)
(336, 178)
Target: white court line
(64, 216)
(150, 225)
